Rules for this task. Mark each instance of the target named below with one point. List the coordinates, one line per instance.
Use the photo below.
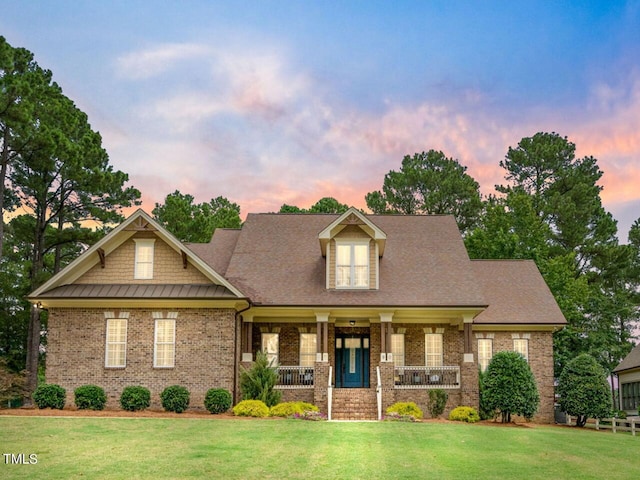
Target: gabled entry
(352, 360)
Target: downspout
(235, 349)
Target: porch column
(385, 337)
(247, 341)
(322, 337)
(469, 387)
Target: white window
(485, 352)
(116, 348)
(397, 349)
(352, 265)
(308, 348)
(433, 351)
(144, 259)
(521, 345)
(271, 346)
(165, 343)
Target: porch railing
(427, 377)
(295, 376)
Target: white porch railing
(427, 377)
(329, 394)
(295, 376)
(379, 393)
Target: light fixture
(352, 322)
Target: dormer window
(144, 259)
(352, 264)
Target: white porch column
(385, 336)
(322, 337)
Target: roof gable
(631, 361)
(352, 217)
(138, 222)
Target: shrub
(175, 398)
(437, 402)
(134, 398)
(621, 414)
(484, 411)
(464, 414)
(509, 386)
(251, 408)
(290, 409)
(258, 382)
(405, 408)
(90, 397)
(311, 415)
(583, 390)
(396, 417)
(218, 400)
(50, 396)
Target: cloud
(144, 64)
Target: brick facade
(204, 352)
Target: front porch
(363, 366)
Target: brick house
(628, 372)
(359, 311)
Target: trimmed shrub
(464, 414)
(218, 400)
(437, 402)
(583, 390)
(175, 398)
(291, 409)
(485, 412)
(251, 408)
(510, 387)
(50, 396)
(258, 382)
(90, 397)
(405, 408)
(396, 417)
(134, 398)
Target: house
(360, 311)
(628, 372)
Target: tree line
(59, 195)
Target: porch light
(352, 322)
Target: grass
(291, 449)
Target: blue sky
(268, 103)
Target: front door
(352, 361)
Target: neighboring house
(628, 373)
(359, 311)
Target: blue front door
(352, 361)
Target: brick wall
(204, 352)
(167, 266)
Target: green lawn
(222, 448)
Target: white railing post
(329, 394)
(379, 393)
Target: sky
(273, 102)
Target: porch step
(354, 404)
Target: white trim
(156, 343)
(140, 273)
(107, 343)
(353, 243)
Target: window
(352, 265)
(116, 348)
(308, 349)
(521, 345)
(165, 343)
(631, 396)
(485, 352)
(270, 345)
(433, 351)
(144, 259)
(397, 349)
